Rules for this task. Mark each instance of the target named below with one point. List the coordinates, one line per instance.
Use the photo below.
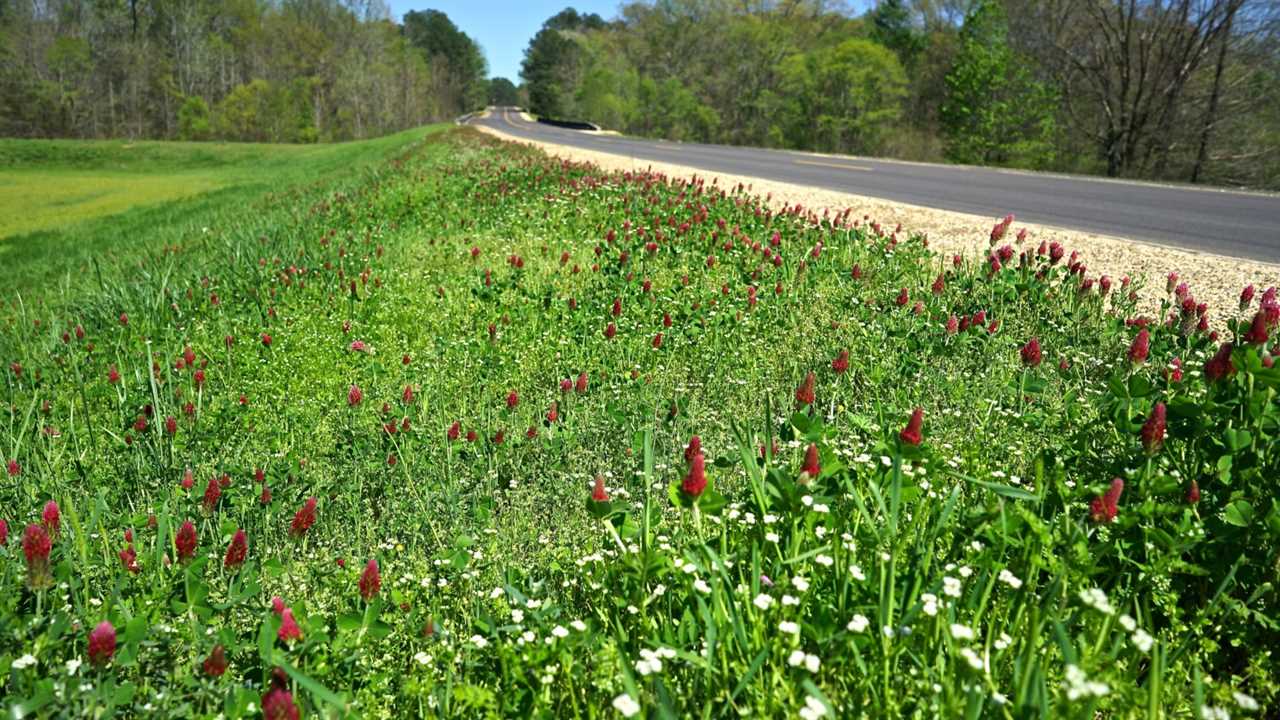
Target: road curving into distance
(1225, 222)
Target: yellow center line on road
(842, 166)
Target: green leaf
(33, 704)
(599, 509)
(1238, 513)
(267, 636)
(1139, 386)
(350, 622)
(1237, 440)
(313, 687)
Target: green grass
(357, 342)
(67, 203)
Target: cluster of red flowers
(1031, 355)
(1153, 430)
(304, 518)
(810, 470)
(913, 433)
(805, 393)
(277, 702)
(695, 480)
(370, 581)
(1103, 508)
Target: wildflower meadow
(474, 432)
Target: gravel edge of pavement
(1215, 279)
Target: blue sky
(503, 27)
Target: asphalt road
(1236, 224)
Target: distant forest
(1182, 90)
(253, 70)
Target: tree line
(1184, 90)
(251, 70)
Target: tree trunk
(1211, 115)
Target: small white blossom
(800, 657)
(930, 604)
(1079, 686)
(1209, 712)
(1246, 702)
(858, 624)
(789, 627)
(951, 587)
(1142, 640)
(1097, 599)
(975, 661)
(961, 632)
(813, 709)
(626, 705)
(762, 601)
(1010, 579)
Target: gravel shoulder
(1214, 279)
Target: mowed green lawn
(66, 203)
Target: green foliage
(458, 57)
(503, 92)
(845, 98)
(193, 119)
(331, 70)
(891, 27)
(549, 72)
(995, 113)
(259, 111)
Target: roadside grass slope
(67, 203)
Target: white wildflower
(626, 705)
(1246, 702)
(1010, 579)
(1142, 640)
(1079, 686)
(951, 587)
(813, 709)
(1097, 599)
